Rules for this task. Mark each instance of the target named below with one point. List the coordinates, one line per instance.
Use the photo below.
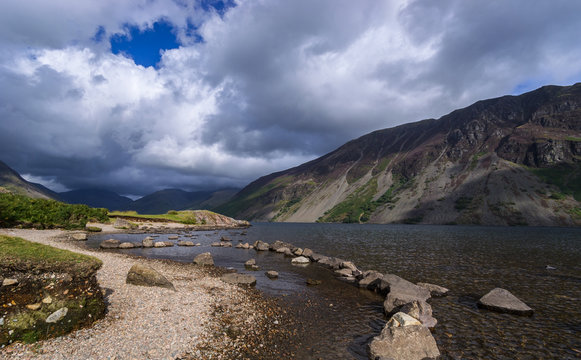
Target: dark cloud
(272, 84)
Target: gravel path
(144, 322)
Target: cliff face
(506, 161)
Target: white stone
(57, 315)
(8, 282)
(300, 260)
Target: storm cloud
(256, 87)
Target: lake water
(336, 320)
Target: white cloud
(273, 84)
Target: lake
(336, 320)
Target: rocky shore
(204, 318)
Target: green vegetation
(572, 138)
(381, 166)
(287, 207)
(557, 196)
(462, 203)
(93, 229)
(507, 211)
(357, 172)
(18, 210)
(188, 217)
(20, 254)
(575, 212)
(566, 176)
(475, 159)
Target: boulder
(173, 237)
(368, 277)
(147, 242)
(239, 279)
(9, 282)
(159, 244)
(225, 238)
(185, 243)
(271, 274)
(126, 245)
(307, 252)
(315, 257)
(145, 276)
(282, 250)
(246, 246)
(226, 244)
(279, 244)
(413, 342)
(204, 259)
(79, 236)
(239, 246)
(301, 260)
(420, 310)
(216, 244)
(502, 300)
(435, 290)
(250, 262)
(110, 244)
(331, 262)
(253, 267)
(298, 252)
(261, 246)
(288, 253)
(400, 292)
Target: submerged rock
(204, 259)
(239, 279)
(250, 262)
(271, 274)
(502, 300)
(314, 282)
(146, 276)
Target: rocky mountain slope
(513, 160)
(11, 181)
(96, 198)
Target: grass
(355, 208)
(18, 210)
(475, 159)
(188, 217)
(572, 138)
(567, 177)
(22, 255)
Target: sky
(136, 96)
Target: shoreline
(204, 318)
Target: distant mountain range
(158, 202)
(513, 160)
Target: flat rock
(344, 272)
(204, 259)
(368, 277)
(301, 260)
(216, 244)
(435, 290)
(225, 238)
(331, 262)
(145, 276)
(173, 237)
(79, 236)
(250, 262)
(110, 244)
(271, 274)
(159, 244)
(414, 342)
(400, 292)
(502, 300)
(126, 245)
(282, 250)
(185, 243)
(239, 279)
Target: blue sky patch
(144, 46)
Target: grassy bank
(188, 217)
(21, 211)
(22, 255)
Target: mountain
(96, 198)
(11, 181)
(512, 160)
(162, 201)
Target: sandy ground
(147, 322)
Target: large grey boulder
(435, 290)
(307, 252)
(282, 250)
(145, 276)
(412, 342)
(420, 310)
(400, 292)
(110, 244)
(502, 300)
(239, 279)
(204, 259)
(261, 246)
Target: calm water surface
(337, 319)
